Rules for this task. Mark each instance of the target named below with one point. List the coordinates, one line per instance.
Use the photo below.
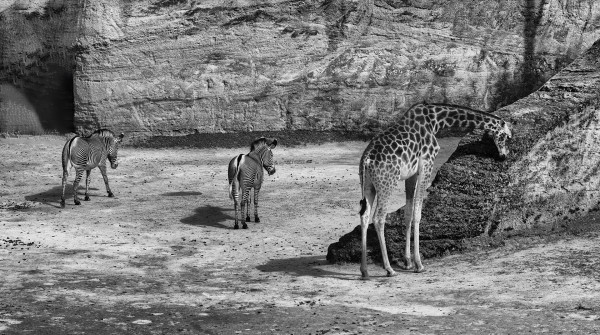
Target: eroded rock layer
(151, 67)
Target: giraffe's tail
(363, 206)
(363, 182)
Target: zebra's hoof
(62, 204)
(236, 227)
(111, 195)
(245, 226)
(77, 202)
(86, 198)
(256, 219)
(247, 218)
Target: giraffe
(406, 151)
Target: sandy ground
(162, 257)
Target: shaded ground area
(162, 256)
(242, 139)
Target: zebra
(86, 153)
(246, 172)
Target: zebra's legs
(236, 207)
(235, 195)
(87, 184)
(64, 186)
(248, 209)
(245, 201)
(78, 175)
(103, 171)
(256, 218)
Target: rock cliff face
(177, 66)
(37, 60)
(168, 67)
(551, 177)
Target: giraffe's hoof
(77, 202)
(419, 270)
(86, 198)
(392, 273)
(247, 218)
(256, 219)
(365, 276)
(406, 267)
(111, 195)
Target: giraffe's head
(500, 138)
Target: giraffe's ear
(273, 144)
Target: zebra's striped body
(86, 153)
(246, 172)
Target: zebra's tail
(234, 170)
(66, 154)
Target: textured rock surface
(174, 66)
(551, 177)
(170, 67)
(37, 60)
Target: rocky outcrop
(551, 177)
(167, 67)
(37, 61)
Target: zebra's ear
(273, 144)
(121, 137)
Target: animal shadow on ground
(52, 196)
(181, 193)
(210, 216)
(305, 266)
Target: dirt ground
(162, 257)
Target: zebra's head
(113, 148)
(263, 146)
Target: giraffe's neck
(444, 116)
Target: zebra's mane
(102, 133)
(258, 143)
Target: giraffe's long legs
(365, 216)
(379, 223)
(410, 185)
(426, 167)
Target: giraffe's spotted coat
(406, 151)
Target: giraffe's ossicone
(406, 151)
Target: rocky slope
(550, 178)
(176, 66)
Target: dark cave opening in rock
(39, 103)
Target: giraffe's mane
(462, 107)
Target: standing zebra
(86, 153)
(246, 172)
